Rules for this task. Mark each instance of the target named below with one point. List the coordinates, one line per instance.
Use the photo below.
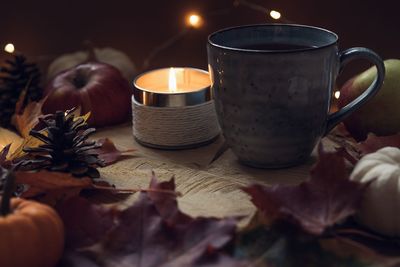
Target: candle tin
(179, 118)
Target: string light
(194, 20)
(337, 94)
(9, 48)
(270, 12)
(275, 14)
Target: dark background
(45, 29)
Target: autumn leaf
(26, 119)
(85, 223)
(269, 247)
(50, 187)
(3, 154)
(373, 143)
(353, 150)
(354, 239)
(345, 143)
(53, 187)
(109, 153)
(167, 205)
(19, 152)
(9, 137)
(327, 198)
(154, 232)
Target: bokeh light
(275, 14)
(9, 48)
(194, 20)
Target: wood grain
(209, 188)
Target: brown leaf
(10, 137)
(85, 223)
(3, 154)
(345, 143)
(26, 119)
(18, 153)
(76, 259)
(109, 153)
(53, 187)
(154, 232)
(166, 203)
(326, 199)
(373, 143)
(370, 244)
(347, 247)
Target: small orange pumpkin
(31, 234)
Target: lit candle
(172, 87)
(172, 109)
(172, 80)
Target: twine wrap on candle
(175, 127)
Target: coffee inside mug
(279, 38)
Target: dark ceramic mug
(272, 85)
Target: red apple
(96, 87)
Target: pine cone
(17, 75)
(65, 148)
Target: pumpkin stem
(8, 189)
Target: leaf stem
(134, 190)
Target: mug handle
(345, 57)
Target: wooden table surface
(208, 188)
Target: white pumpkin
(380, 209)
(107, 55)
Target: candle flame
(9, 48)
(172, 80)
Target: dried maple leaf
(267, 247)
(9, 137)
(85, 223)
(154, 232)
(326, 199)
(374, 143)
(52, 187)
(345, 143)
(26, 119)
(167, 206)
(19, 153)
(109, 153)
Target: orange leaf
(26, 119)
(50, 187)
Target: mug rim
(243, 50)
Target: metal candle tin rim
(163, 99)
